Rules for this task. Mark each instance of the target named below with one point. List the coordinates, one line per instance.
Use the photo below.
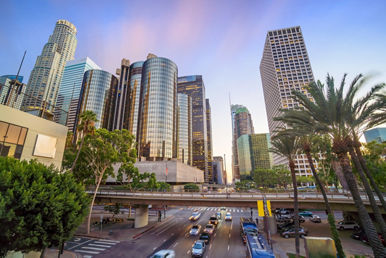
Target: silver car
(209, 228)
(164, 254)
(198, 248)
(341, 225)
(195, 230)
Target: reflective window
(12, 139)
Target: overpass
(307, 200)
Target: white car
(209, 228)
(195, 216)
(195, 230)
(164, 254)
(341, 225)
(228, 217)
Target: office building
(194, 87)
(376, 134)
(97, 92)
(12, 91)
(209, 140)
(244, 156)
(219, 173)
(69, 91)
(184, 133)
(121, 97)
(261, 158)
(45, 78)
(156, 135)
(284, 67)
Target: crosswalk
(89, 247)
(216, 209)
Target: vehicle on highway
(195, 230)
(316, 219)
(247, 226)
(256, 243)
(209, 228)
(291, 232)
(341, 225)
(218, 215)
(361, 235)
(213, 220)
(228, 216)
(195, 216)
(198, 248)
(222, 209)
(307, 214)
(164, 254)
(205, 237)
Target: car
(164, 254)
(282, 211)
(307, 214)
(291, 232)
(222, 209)
(198, 248)
(195, 216)
(218, 215)
(316, 219)
(209, 228)
(195, 230)
(361, 235)
(228, 216)
(213, 220)
(341, 225)
(284, 226)
(205, 237)
(301, 219)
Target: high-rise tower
(184, 133)
(209, 141)
(284, 67)
(45, 78)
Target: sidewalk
(53, 253)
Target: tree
(287, 146)
(373, 153)
(326, 108)
(114, 209)
(191, 188)
(39, 207)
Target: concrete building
(218, 170)
(209, 141)
(184, 134)
(12, 91)
(25, 137)
(45, 78)
(193, 86)
(156, 135)
(69, 91)
(284, 67)
(96, 95)
(376, 134)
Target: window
(12, 139)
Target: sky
(221, 40)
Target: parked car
(164, 254)
(306, 214)
(213, 220)
(341, 225)
(195, 230)
(195, 216)
(198, 248)
(301, 219)
(316, 219)
(283, 226)
(282, 211)
(209, 228)
(291, 232)
(361, 235)
(205, 237)
(228, 217)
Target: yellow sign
(269, 208)
(260, 208)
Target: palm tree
(287, 146)
(85, 127)
(327, 109)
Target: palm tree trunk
(373, 203)
(330, 213)
(77, 155)
(369, 176)
(93, 199)
(369, 229)
(296, 207)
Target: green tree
(191, 188)
(39, 207)
(373, 154)
(114, 209)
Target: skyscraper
(193, 86)
(209, 140)
(241, 124)
(45, 78)
(284, 67)
(69, 90)
(121, 98)
(97, 92)
(219, 173)
(376, 134)
(261, 158)
(184, 133)
(156, 135)
(12, 91)
(244, 156)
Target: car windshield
(197, 246)
(195, 227)
(194, 213)
(212, 218)
(228, 214)
(204, 236)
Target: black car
(361, 235)
(205, 237)
(283, 226)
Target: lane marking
(228, 248)
(80, 244)
(87, 256)
(108, 240)
(86, 251)
(108, 246)
(100, 242)
(175, 244)
(154, 248)
(188, 252)
(210, 246)
(93, 248)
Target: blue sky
(222, 40)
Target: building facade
(184, 133)
(121, 94)
(45, 78)
(284, 67)
(244, 156)
(219, 173)
(97, 92)
(12, 91)
(261, 158)
(209, 141)
(194, 87)
(69, 91)
(156, 135)
(376, 134)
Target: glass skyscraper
(261, 158)
(97, 92)
(11, 91)
(69, 91)
(209, 141)
(376, 134)
(184, 133)
(45, 78)
(157, 132)
(244, 156)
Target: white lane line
(229, 235)
(188, 252)
(154, 248)
(175, 244)
(108, 240)
(80, 244)
(86, 251)
(108, 246)
(93, 248)
(87, 256)
(228, 248)
(164, 240)
(105, 243)
(210, 247)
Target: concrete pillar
(270, 223)
(141, 216)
